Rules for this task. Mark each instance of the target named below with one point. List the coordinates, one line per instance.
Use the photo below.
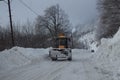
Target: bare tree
(55, 21)
(48, 26)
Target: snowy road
(80, 68)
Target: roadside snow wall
(17, 57)
(107, 57)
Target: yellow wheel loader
(62, 49)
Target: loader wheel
(70, 59)
(49, 53)
(54, 59)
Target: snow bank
(18, 56)
(107, 56)
(89, 40)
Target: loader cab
(62, 48)
(62, 42)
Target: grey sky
(79, 11)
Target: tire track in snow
(54, 74)
(80, 68)
(36, 72)
(90, 72)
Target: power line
(28, 7)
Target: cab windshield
(61, 41)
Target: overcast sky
(79, 11)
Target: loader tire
(70, 59)
(54, 59)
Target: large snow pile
(89, 40)
(18, 56)
(107, 56)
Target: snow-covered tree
(109, 18)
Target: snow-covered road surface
(80, 68)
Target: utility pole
(12, 35)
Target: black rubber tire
(70, 59)
(54, 59)
(49, 54)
